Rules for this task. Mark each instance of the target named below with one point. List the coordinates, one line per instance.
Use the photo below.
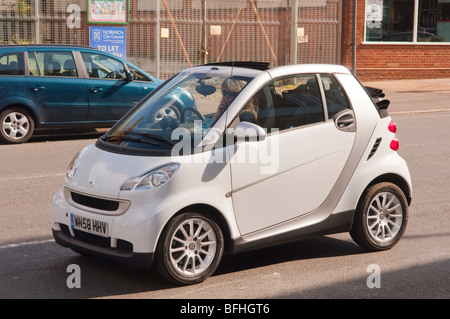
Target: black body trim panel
(137, 260)
(333, 224)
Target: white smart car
(262, 157)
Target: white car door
(291, 172)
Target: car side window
(285, 103)
(139, 76)
(296, 101)
(12, 64)
(103, 67)
(33, 64)
(52, 63)
(334, 94)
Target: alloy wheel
(384, 217)
(15, 126)
(193, 247)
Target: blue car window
(49, 63)
(11, 64)
(103, 67)
(139, 76)
(33, 65)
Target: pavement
(415, 96)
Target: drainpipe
(354, 38)
(293, 32)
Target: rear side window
(334, 94)
(50, 63)
(12, 64)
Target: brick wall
(390, 61)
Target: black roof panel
(243, 64)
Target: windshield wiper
(155, 137)
(127, 138)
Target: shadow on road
(323, 247)
(41, 270)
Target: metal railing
(165, 36)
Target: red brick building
(397, 39)
(408, 39)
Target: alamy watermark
(196, 148)
(74, 279)
(74, 18)
(374, 279)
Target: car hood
(102, 173)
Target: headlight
(73, 165)
(154, 178)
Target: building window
(407, 21)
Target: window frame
(415, 30)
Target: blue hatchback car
(56, 86)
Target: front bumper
(130, 239)
(121, 254)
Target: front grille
(94, 202)
(97, 205)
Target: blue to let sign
(109, 39)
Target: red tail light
(395, 144)
(392, 127)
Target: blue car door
(54, 86)
(111, 93)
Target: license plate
(89, 225)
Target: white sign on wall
(374, 10)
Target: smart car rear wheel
(381, 217)
(190, 249)
(17, 126)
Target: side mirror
(130, 76)
(246, 131)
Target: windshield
(183, 109)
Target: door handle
(38, 88)
(96, 90)
(345, 121)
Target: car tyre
(16, 126)
(190, 249)
(380, 217)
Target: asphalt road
(33, 266)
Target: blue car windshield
(185, 107)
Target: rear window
(50, 63)
(12, 64)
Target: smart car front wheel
(17, 126)
(381, 217)
(190, 249)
